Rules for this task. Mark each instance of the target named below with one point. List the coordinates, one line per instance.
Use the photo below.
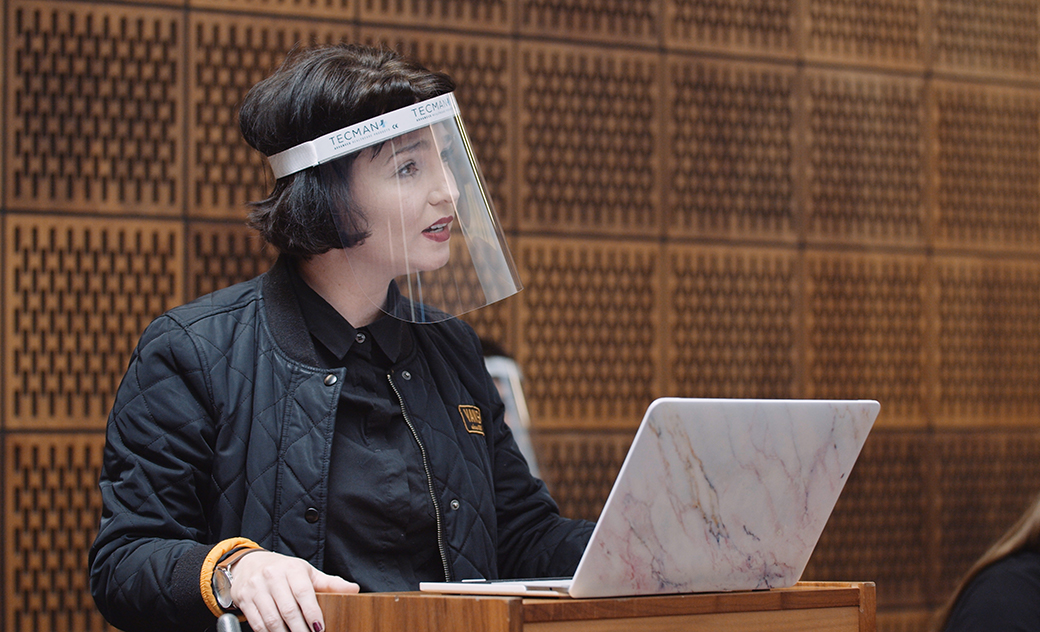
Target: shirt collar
(389, 332)
(329, 327)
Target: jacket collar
(332, 330)
(289, 327)
(284, 317)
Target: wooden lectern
(819, 607)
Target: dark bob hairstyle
(317, 91)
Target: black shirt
(377, 482)
(1004, 597)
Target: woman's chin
(426, 272)
(434, 262)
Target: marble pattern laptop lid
(722, 495)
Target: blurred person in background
(1001, 591)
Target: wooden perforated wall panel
(588, 121)
(871, 307)
(78, 294)
(998, 39)
(746, 27)
(94, 108)
(226, 56)
(51, 511)
(731, 167)
(988, 341)
(987, 167)
(589, 330)
(631, 21)
(733, 322)
(880, 33)
(724, 198)
(865, 150)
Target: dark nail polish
(317, 627)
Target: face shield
(411, 179)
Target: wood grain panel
(95, 111)
(866, 177)
(883, 33)
(228, 54)
(589, 147)
(866, 332)
(614, 21)
(52, 507)
(730, 169)
(590, 332)
(988, 342)
(78, 294)
(414, 611)
(732, 322)
(745, 27)
(817, 619)
(987, 167)
(847, 607)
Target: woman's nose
(446, 190)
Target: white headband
(364, 134)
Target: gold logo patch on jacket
(471, 417)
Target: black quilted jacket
(223, 425)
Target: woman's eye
(408, 169)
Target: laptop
(714, 495)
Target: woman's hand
(276, 592)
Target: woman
(328, 426)
(1001, 591)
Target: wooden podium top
(822, 606)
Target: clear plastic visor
(432, 232)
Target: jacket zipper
(429, 480)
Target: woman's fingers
(326, 584)
(276, 592)
(298, 605)
(331, 583)
(262, 613)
